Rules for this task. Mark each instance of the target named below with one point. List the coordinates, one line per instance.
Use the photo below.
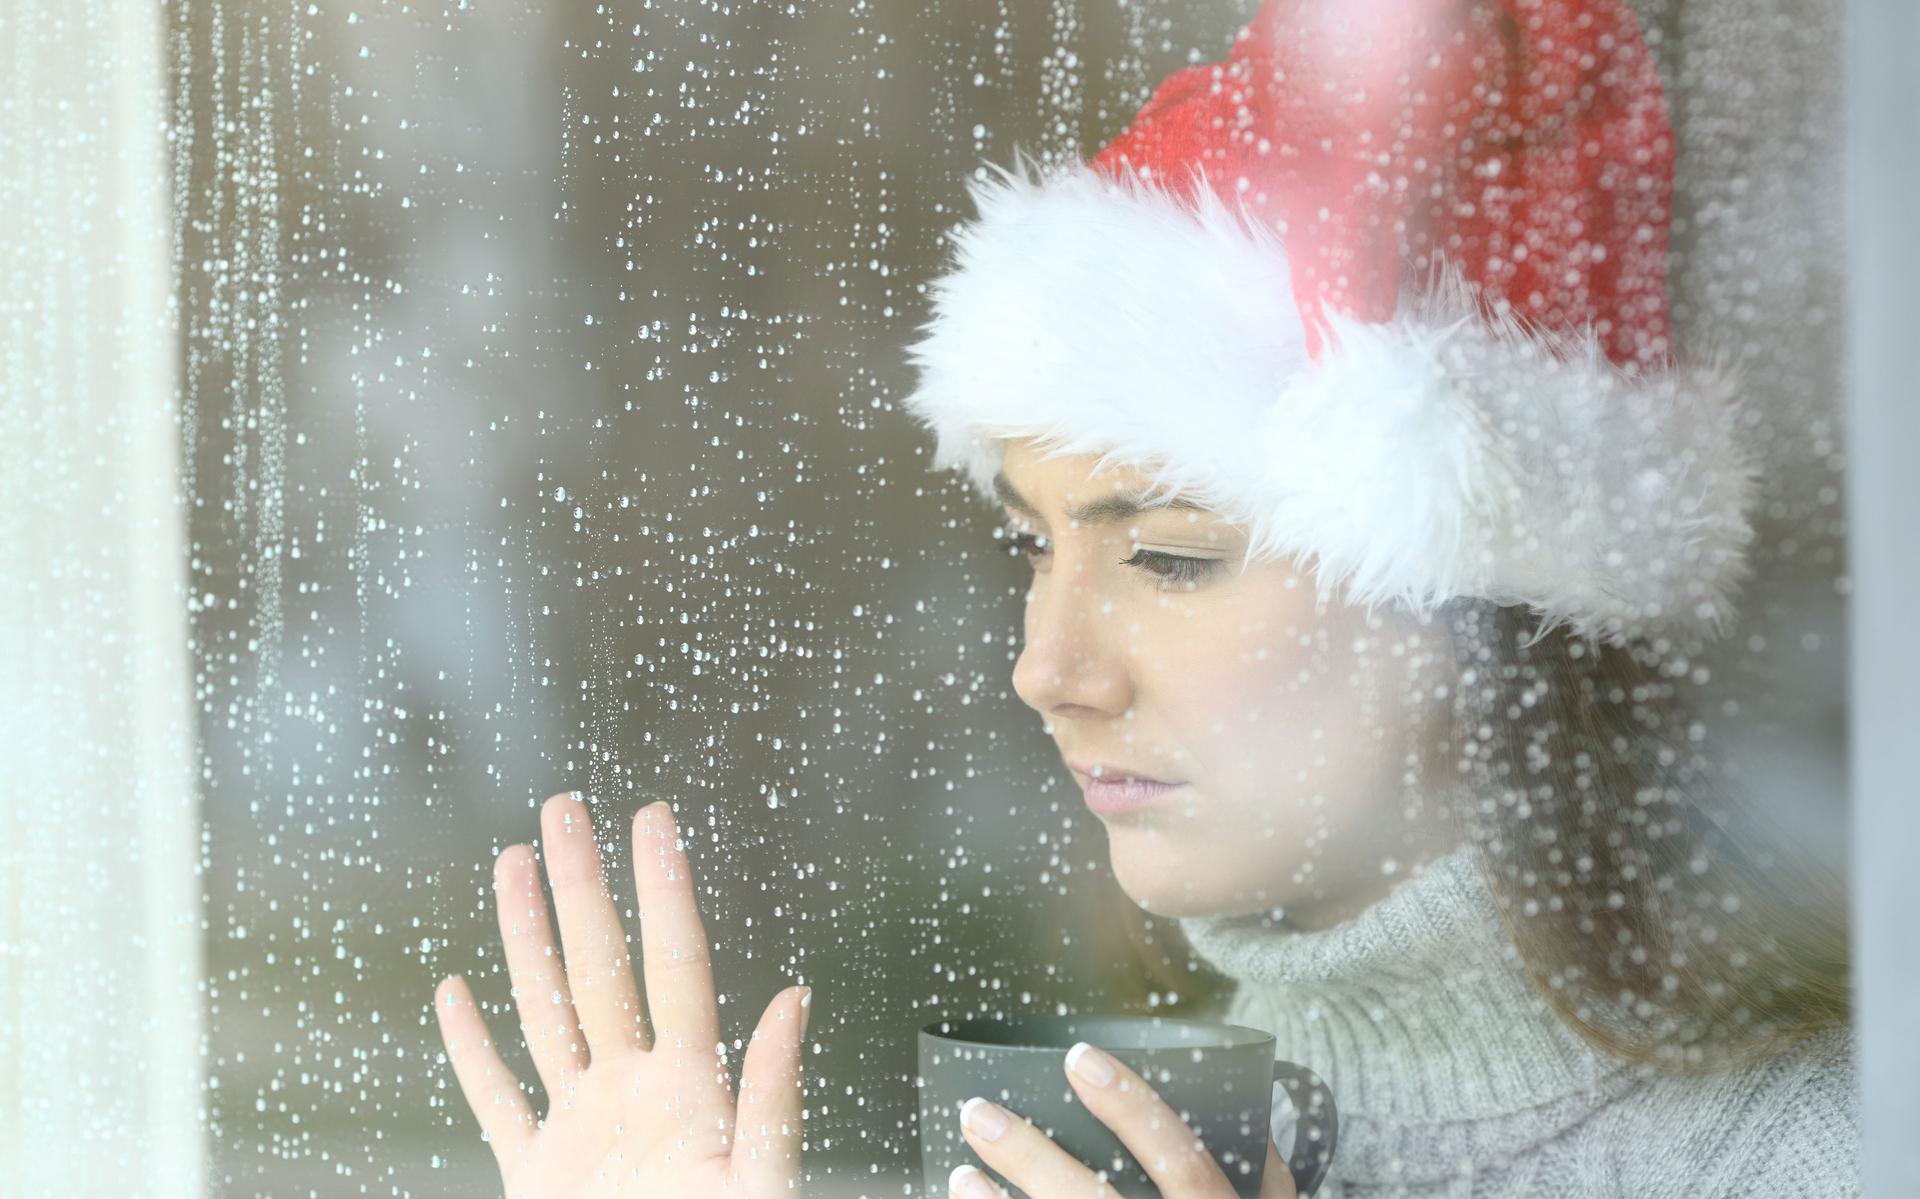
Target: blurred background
(533, 374)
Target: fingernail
(806, 1009)
(984, 1118)
(1091, 1064)
(970, 1182)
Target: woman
(1372, 521)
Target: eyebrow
(1101, 511)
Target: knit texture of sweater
(1454, 1078)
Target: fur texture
(1445, 453)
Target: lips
(1112, 790)
(1109, 772)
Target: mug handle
(1316, 1130)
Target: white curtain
(100, 1024)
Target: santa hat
(1388, 287)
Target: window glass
(542, 415)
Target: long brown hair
(1663, 924)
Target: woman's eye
(1171, 568)
(1028, 545)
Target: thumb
(766, 1145)
(1276, 1181)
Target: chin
(1169, 902)
(1173, 906)
(1163, 879)
(1166, 879)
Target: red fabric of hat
(1527, 139)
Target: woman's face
(1155, 651)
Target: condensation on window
(540, 396)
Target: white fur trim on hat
(1441, 454)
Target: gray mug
(1220, 1078)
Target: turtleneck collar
(1443, 1058)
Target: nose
(1073, 664)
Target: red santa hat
(1388, 287)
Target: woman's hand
(627, 1114)
(1163, 1144)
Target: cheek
(1265, 698)
(1184, 653)
(1235, 681)
(1259, 658)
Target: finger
(1276, 1181)
(969, 1181)
(540, 989)
(766, 1146)
(1027, 1157)
(1168, 1149)
(599, 967)
(490, 1088)
(676, 961)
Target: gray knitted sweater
(1453, 1078)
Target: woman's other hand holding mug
(1165, 1146)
